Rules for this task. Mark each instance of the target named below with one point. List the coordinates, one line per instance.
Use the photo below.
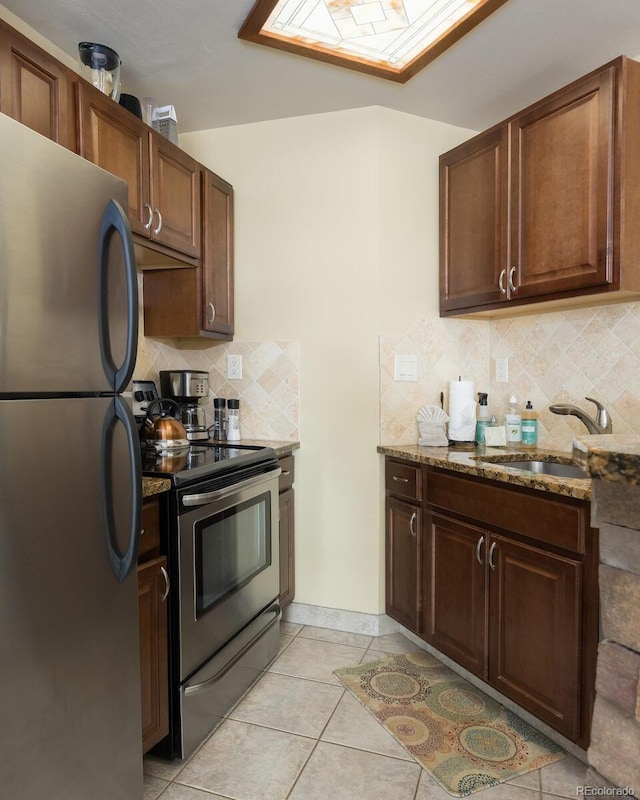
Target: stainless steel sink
(544, 468)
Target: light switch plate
(405, 368)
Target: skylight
(389, 38)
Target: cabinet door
(154, 669)
(456, 604)
(473, 222)
(561, 191)
(403, 563)
(175, 197)
(35, 89)
(287, 548)
(117, 141)
(217, 254)
(535, 601)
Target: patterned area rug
(462, 737)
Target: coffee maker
(190, 390)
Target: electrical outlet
(234, 368)
(502, 370)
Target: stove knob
(138, 396)
(150, 395)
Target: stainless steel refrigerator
(70, 479)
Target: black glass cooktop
(200, 461)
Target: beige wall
(336, 241)
(26, 30)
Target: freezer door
(69, 647)
(68, 289)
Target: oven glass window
(231, 548)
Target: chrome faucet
(602, 422)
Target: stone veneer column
(615, 737)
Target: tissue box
(165, 121)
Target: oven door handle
(201, 687)
(211, 497)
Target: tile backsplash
(268, 391)
(556, 357)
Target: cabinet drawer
(150, 536)
(285, 481)
(561, 523)
(403, 480)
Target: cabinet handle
(212, 315)
(147, 224)
(285, 472)
(479, 549)
(157, 230)
(167, 583)
(491, 551)
(411, 521)
(400, 480)
(512, 286)
(141, 531)
(501, 281)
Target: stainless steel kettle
(160, 430)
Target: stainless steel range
(224, 566)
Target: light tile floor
(298, 735)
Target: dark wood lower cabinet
(287, 531)
(403, 557)
(154, 667)
(287, 551)
(153, 624)
(506, 580)
(455, 618)
(534, 654)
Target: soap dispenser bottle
(483, 417)
(529, 426)
(513, 423)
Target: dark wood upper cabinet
(164, 182)
(117, 141)
(561, 191)
(473, 222)
(36, 89)
(217, 254)
(175, 196)
(201, 300)
(543, 207)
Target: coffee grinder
(190, 390)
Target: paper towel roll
(462, 411)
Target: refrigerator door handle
(115, 220)
(121, 564)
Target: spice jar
(233, 420)
(219, 426)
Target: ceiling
(187, 53)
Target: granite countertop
(281, 448)
(478, 462)
(609, 456)
(151, 486)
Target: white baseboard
(340, 620)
